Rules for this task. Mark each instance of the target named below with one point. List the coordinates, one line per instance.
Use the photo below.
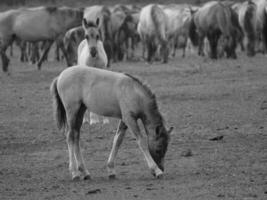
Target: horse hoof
(75, 178)
(112, 177)
(87, 177)
(159, 176)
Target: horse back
(93, 87)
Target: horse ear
(170, 130)
(97, 21)
(84, 23)
(158, 130)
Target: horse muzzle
(93, 52)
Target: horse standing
(261, 25)
(72, 39)
(152, 29)
(214, 20)
(103, 14)
(36, 24)
(179, 18)
(115, 95)
(247, 20)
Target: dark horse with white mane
(110, 94)
(215, 20)
(37, 24)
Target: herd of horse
(93, 37)
(215, 29)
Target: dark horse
(214, 20)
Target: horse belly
(103, 102)
(33, 28)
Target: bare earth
(201, 98)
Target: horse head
(158, 143)
(92, 36)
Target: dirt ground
(201, 98)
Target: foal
(109, 94)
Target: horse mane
(51, 9)
(153, 106)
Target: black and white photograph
(133, 100)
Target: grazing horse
(214, 20)
(91, 53)
(110, 94)
(261, 24)
(152, 29)
(103, 14)
(179, 18)
(247, 20)
(36, 24)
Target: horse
(111, 94)
(72, 39)
(247, 20)
(103, 14)
(36, 24)
(124, 28)
(261, 22)
(179, 18)
(152, 29)
(214, 20)
(91, 53)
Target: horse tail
(158, 23)
(264, 29)
(58, 107)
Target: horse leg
(201, 45)
(213, 40)
(60, 45)
(94, 118)
(76, 162)
(11, 49)
(5, 59)
(143, 145)
(47, 47)
(118, 138)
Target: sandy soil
(203, 99)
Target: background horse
(261, 16)
(102, 13)
(214, 20)
(72, 39)
(36, 24)
(152, 29)
(115, 95)
(91, 53)
(247, 20)
(179, 18)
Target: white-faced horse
(91, 53)
(36, 24)
(109, 94)
(103, 14)
(152, 29)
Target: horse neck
(152, 116)
(75, 20)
